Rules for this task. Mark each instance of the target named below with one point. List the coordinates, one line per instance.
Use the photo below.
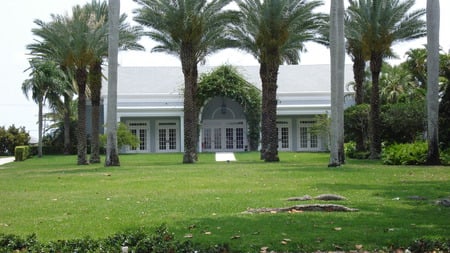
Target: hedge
(21, 153)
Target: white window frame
(281, 123)
(307, 123)
(139, 125)
(175, 125)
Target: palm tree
(416, 63)
(45, 83)
(337, 56)
(128, 37)
(378, 24)
(397, 84)
(433, 81)
(191, 30)
(275, 31)
(69, 41)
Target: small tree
(12, 137)
(124, 137)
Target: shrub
(351, 152)
(21, 153)
(430, 245)
(405, 154)
(139, 240)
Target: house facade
(150, 103)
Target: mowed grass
(55, 199)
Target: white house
(150, 103)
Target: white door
(167, 135)
(140, 130)
(221, 135)
(308, 141)
(284, 136)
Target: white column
(182, 134)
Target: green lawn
(56, 199)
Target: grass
(56, 199)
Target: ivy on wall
(225, 81)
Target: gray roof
(169, 80)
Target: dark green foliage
(405, 154)
(138, 241)
(227, 82)
(352, 152)
(430, 245)
(12, 137)
(54, 141)
(403, 122)
(161, 241)
(356, 124)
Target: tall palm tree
(433, 81)
(128, 37)
(337, 56)
(191, 30)
(275, 31)
(45, 83)
(378, 24)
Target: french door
(167, 136)
(308, 140)
(284, 136)
(140, 130)
(223, 136)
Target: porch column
(200, 138)
(182, 134)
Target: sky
(16, 22)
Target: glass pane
(172, 139)
(162, 139)
(229, 138)
(314, 141)
(133, 132)
(303, 137)
(217, 138)
(284, 137)
(239, 138)
(142, 138)
(207, 138)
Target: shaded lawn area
(56, 199)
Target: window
(283, 132)
(140, 130)
(167, 134)
(308, 141)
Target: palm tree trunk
(67, 113)
(433, 81)
(190, 72)
(112, 152)
(40, 122)
(359, 66)
(337, 53)
(81, 77)
(95, 79)
(269, 75)
(376, 62)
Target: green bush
(405, 154)
(140, 240)
(351, 152)
(22, 153)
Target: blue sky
(16, 22)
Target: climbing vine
(225, 81)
